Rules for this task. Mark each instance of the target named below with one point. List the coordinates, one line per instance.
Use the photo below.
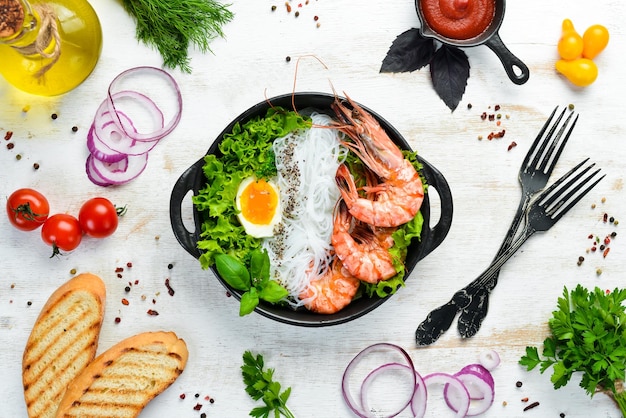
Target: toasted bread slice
(62, 343)
(121, 381)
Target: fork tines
(539, 153)
(569, 189)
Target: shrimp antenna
(295, 77)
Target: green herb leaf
(410, 51)
(273, 292)
(171, 26)
(259, 267)
(249, 301)
(260, 384)
(587, 337)
(450, 70)
(233, 271)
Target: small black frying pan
(516, 70)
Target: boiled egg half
(258, 203)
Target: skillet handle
(183, 185)
(510, 62)
(437, 181)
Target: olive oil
(54, 46)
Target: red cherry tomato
(62, 232)
(27, 209)
(98, 217)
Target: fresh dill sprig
(260, 384)
(171, 25)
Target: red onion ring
(160, 133)
(118, 152)
(454, 383)
(489, 359)
(358, 407)
(468, 392)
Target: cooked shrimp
(360, 251)
(332, 291)
(398, 197)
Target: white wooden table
(352, 39)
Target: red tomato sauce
(458, 19)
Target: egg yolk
(259, 202)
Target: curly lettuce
(244, 152)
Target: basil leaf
(233, 271)
(410, 51)
(450, 70)
(249, 301)
(259, 266)
(273, 292)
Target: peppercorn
(203, 415)
(10, 145)
(287, 58)
(518, 384)
(127, 289)
(182, 396)
(170, 266)
(54, 116)
(118, 319)
(29, 303)
(297, 13)
(74, 128)
(73, 271)
(197, 395)
(18, 157)
(273, 8)
(36, 166)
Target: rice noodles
(306, 162)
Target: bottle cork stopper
(11, 17)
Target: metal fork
(542, 214)
(533, 177)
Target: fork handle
(439, 320)
(472, 316)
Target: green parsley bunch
(588, 336)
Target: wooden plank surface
(245, 67)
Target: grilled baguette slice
(121, 381)
(62, 343)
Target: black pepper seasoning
(54, 116)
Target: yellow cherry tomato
(580, 72)
(570, 45)
(595, 39)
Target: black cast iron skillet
(516, 70)
(193, 179)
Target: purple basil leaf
(410, 51)
(449, 70)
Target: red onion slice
(164, 130)
(357, 406)
(455, 386)
(118, 151)
(116, 139)
(119, 172)
(489, 359)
